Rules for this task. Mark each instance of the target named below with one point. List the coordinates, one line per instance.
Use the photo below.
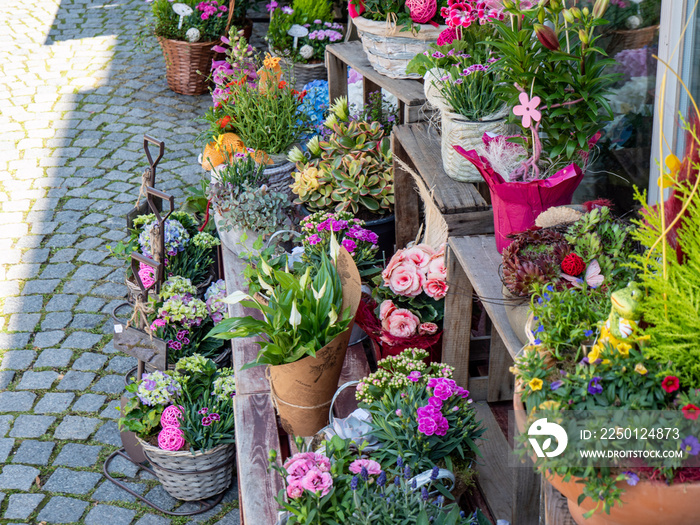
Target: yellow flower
(550, 404)
(271, 62)
(594, 354)
(535, 384)
(640, 369)
(624, 349)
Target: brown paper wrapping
(302, 391)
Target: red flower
(573, 265)
(670, 384)
(282, 85)
(691, 411)
(223, 121)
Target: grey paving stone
(54, 403)
(109, 348)
(89, 244)
(111, 411)
(87, 321)
(60, 509)
(81, 340)
(37, 380)
(56, 320)
(23, 322)
(12, 341)
(54, 358)
(89, 403)
(34, 452)
(16, 401)
(161, 498)
(90, 304)
(57, 271)
(119, 465)
(69, 481)
(61, 302)
(6, 445)
(77, 455)
(76, 380)
(91, 272)
(76, 427)
(63, 256)
(108, 491)
(81, 287)
(232, 518)
(19, 477)
(90, 362)
(6, 377)
(92, 256)
(108, 434)
(109, 515)
(121, 364)
(64, 240)
(20, 506)
(5, 422)
(152, 519)
(35, 255)
(110, 290)
(18, 359)
(47, 339)
(31, 303)
(113, 384)
(28, 426)
(40, 286)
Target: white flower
(306, 51)
(193, 34)
(633, 22)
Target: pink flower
(528, 109)
(401, 323)
(436, 268)
(427, 329)
(298, 468)
(406, 280)
(295, 489)
(435, 402)
(419, 255)
(442, 427)
(427, 426)
(171, 438)
(147, 275)
(315, 480)
(398, 412)
(435, 288)
(395, 262)
(385, 309)
(415, 376)
(446, 37)
(349, 245)
(444, 388)
(373, 468)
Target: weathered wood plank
(422, 145)
(501, 381)
(480, 261)
(556, 507)
(470, 223)
(369, 87)
(457, 324)
(407, 209)
(256, 435)
(526, 495)
(407, 91)
(495, 476)
(337, 77)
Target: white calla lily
(264, 285)
(236, 297)
(294, 316)
(319, 295)
(332, 316)
(335, 248)
(267, 270)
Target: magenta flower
(175, 345)
(206, 421)
(203, 410)
(528, 109)
(415, 376)
(349, 245)
(271, 6)
(218, 48)
(287, 10)
(214, 416)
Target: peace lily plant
(301, 315)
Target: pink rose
(419, 255)
(427, 329)
(323, 463)
(315, 480)
(396, 261)
(373, 468)
(406, 280)
(435, 288)
(295, 489)
(401, 323)
(385, 309)
(436, 269)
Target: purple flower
(415, 376)
(314, 239)
(339, 225)
(271, 6)
(175, 345)
(287, 10)
(492, 60)
(203, 410)
(349, 245)
(149, 384)
(691, 445)
(181, 334)
(219, 49)
(214, 416)
(427, 426)
(437, 54)
(588, 333)
(537, 341)
(434, 403)
(594, 386)
(206, 421)
(556, 384)
(631, 477)
(318, 21)
(539, 329)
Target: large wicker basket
(389, 50)
(630, 39)
(187, 65)
(192, 477)
(300, 74)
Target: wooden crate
(461, 204)
(409, 93)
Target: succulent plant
(351, 170)
(534, 257)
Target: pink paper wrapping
(516, 205)
(354, 13)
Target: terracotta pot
(647, 503)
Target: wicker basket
(192, 477)
(187, 65)
(456, 130)
(279, 175)
(389, 50)
(300, 74)
(630, 39)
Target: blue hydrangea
(315, 105)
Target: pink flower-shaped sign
(528, 109)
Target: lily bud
(576, 12)
(583, 36)
(568, 16)
(547, 37)
(600, 7)
(272, 455)
(585, 11)
(540, 15)
(508, 4)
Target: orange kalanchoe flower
(223, 121)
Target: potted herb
(299, 34)
(187, 31)
(350, 170)
(184, 422)
(306, 323)
(460, 76)
(554, 79)
(385, 27)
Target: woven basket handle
(231, 7)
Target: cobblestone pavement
(76, 97)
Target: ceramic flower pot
(518, 311)
(646, 503)
(233, 238)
